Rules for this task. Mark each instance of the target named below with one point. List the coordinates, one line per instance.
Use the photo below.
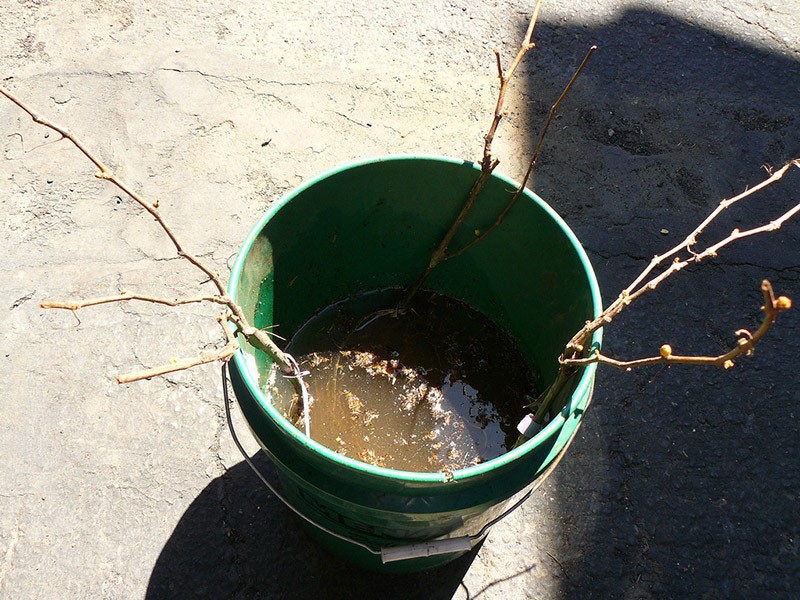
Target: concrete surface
(682, 482)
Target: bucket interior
(374, 225)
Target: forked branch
(691, 239)
(489, 162)
(574, 357)
(642, 285)
(536, 151)
(745, 344)
(258, 338)
(505, 78)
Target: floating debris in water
(434, 389)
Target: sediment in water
(436, 388)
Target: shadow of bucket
(372, 225)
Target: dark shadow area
(683, 482)
(237, 540)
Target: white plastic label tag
(528, 427)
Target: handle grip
(424, 549)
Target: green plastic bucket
(372, 225)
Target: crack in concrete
(764, 28)
(20, 301)
(364, 124)
(352, 120)
(783, 270)
(203, 131)
(246, 80)
(613, 256)
(791, 270)
(87, 73)
(278, 99)
(132, 488)
(128, 266)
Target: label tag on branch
(528, 427)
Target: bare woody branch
(505, 78)
(572, 359)
(642, 285)
(258, 338)
(105, 173)
(224, 354)
(744, 345)
(691, 239)
(126, 296)
(488, 162)
(537, 150)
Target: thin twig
(505, 77)
(488, 162)
(572, 359)
(126, 296)
(106, 173)
(441, 250)
(745, 344)
(537, 150)
(736, 234)
(256, 337)
(642, 286)
(224, 354)
(691, 239)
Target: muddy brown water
(437, 388)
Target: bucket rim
(582, 390)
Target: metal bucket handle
(396, 553)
